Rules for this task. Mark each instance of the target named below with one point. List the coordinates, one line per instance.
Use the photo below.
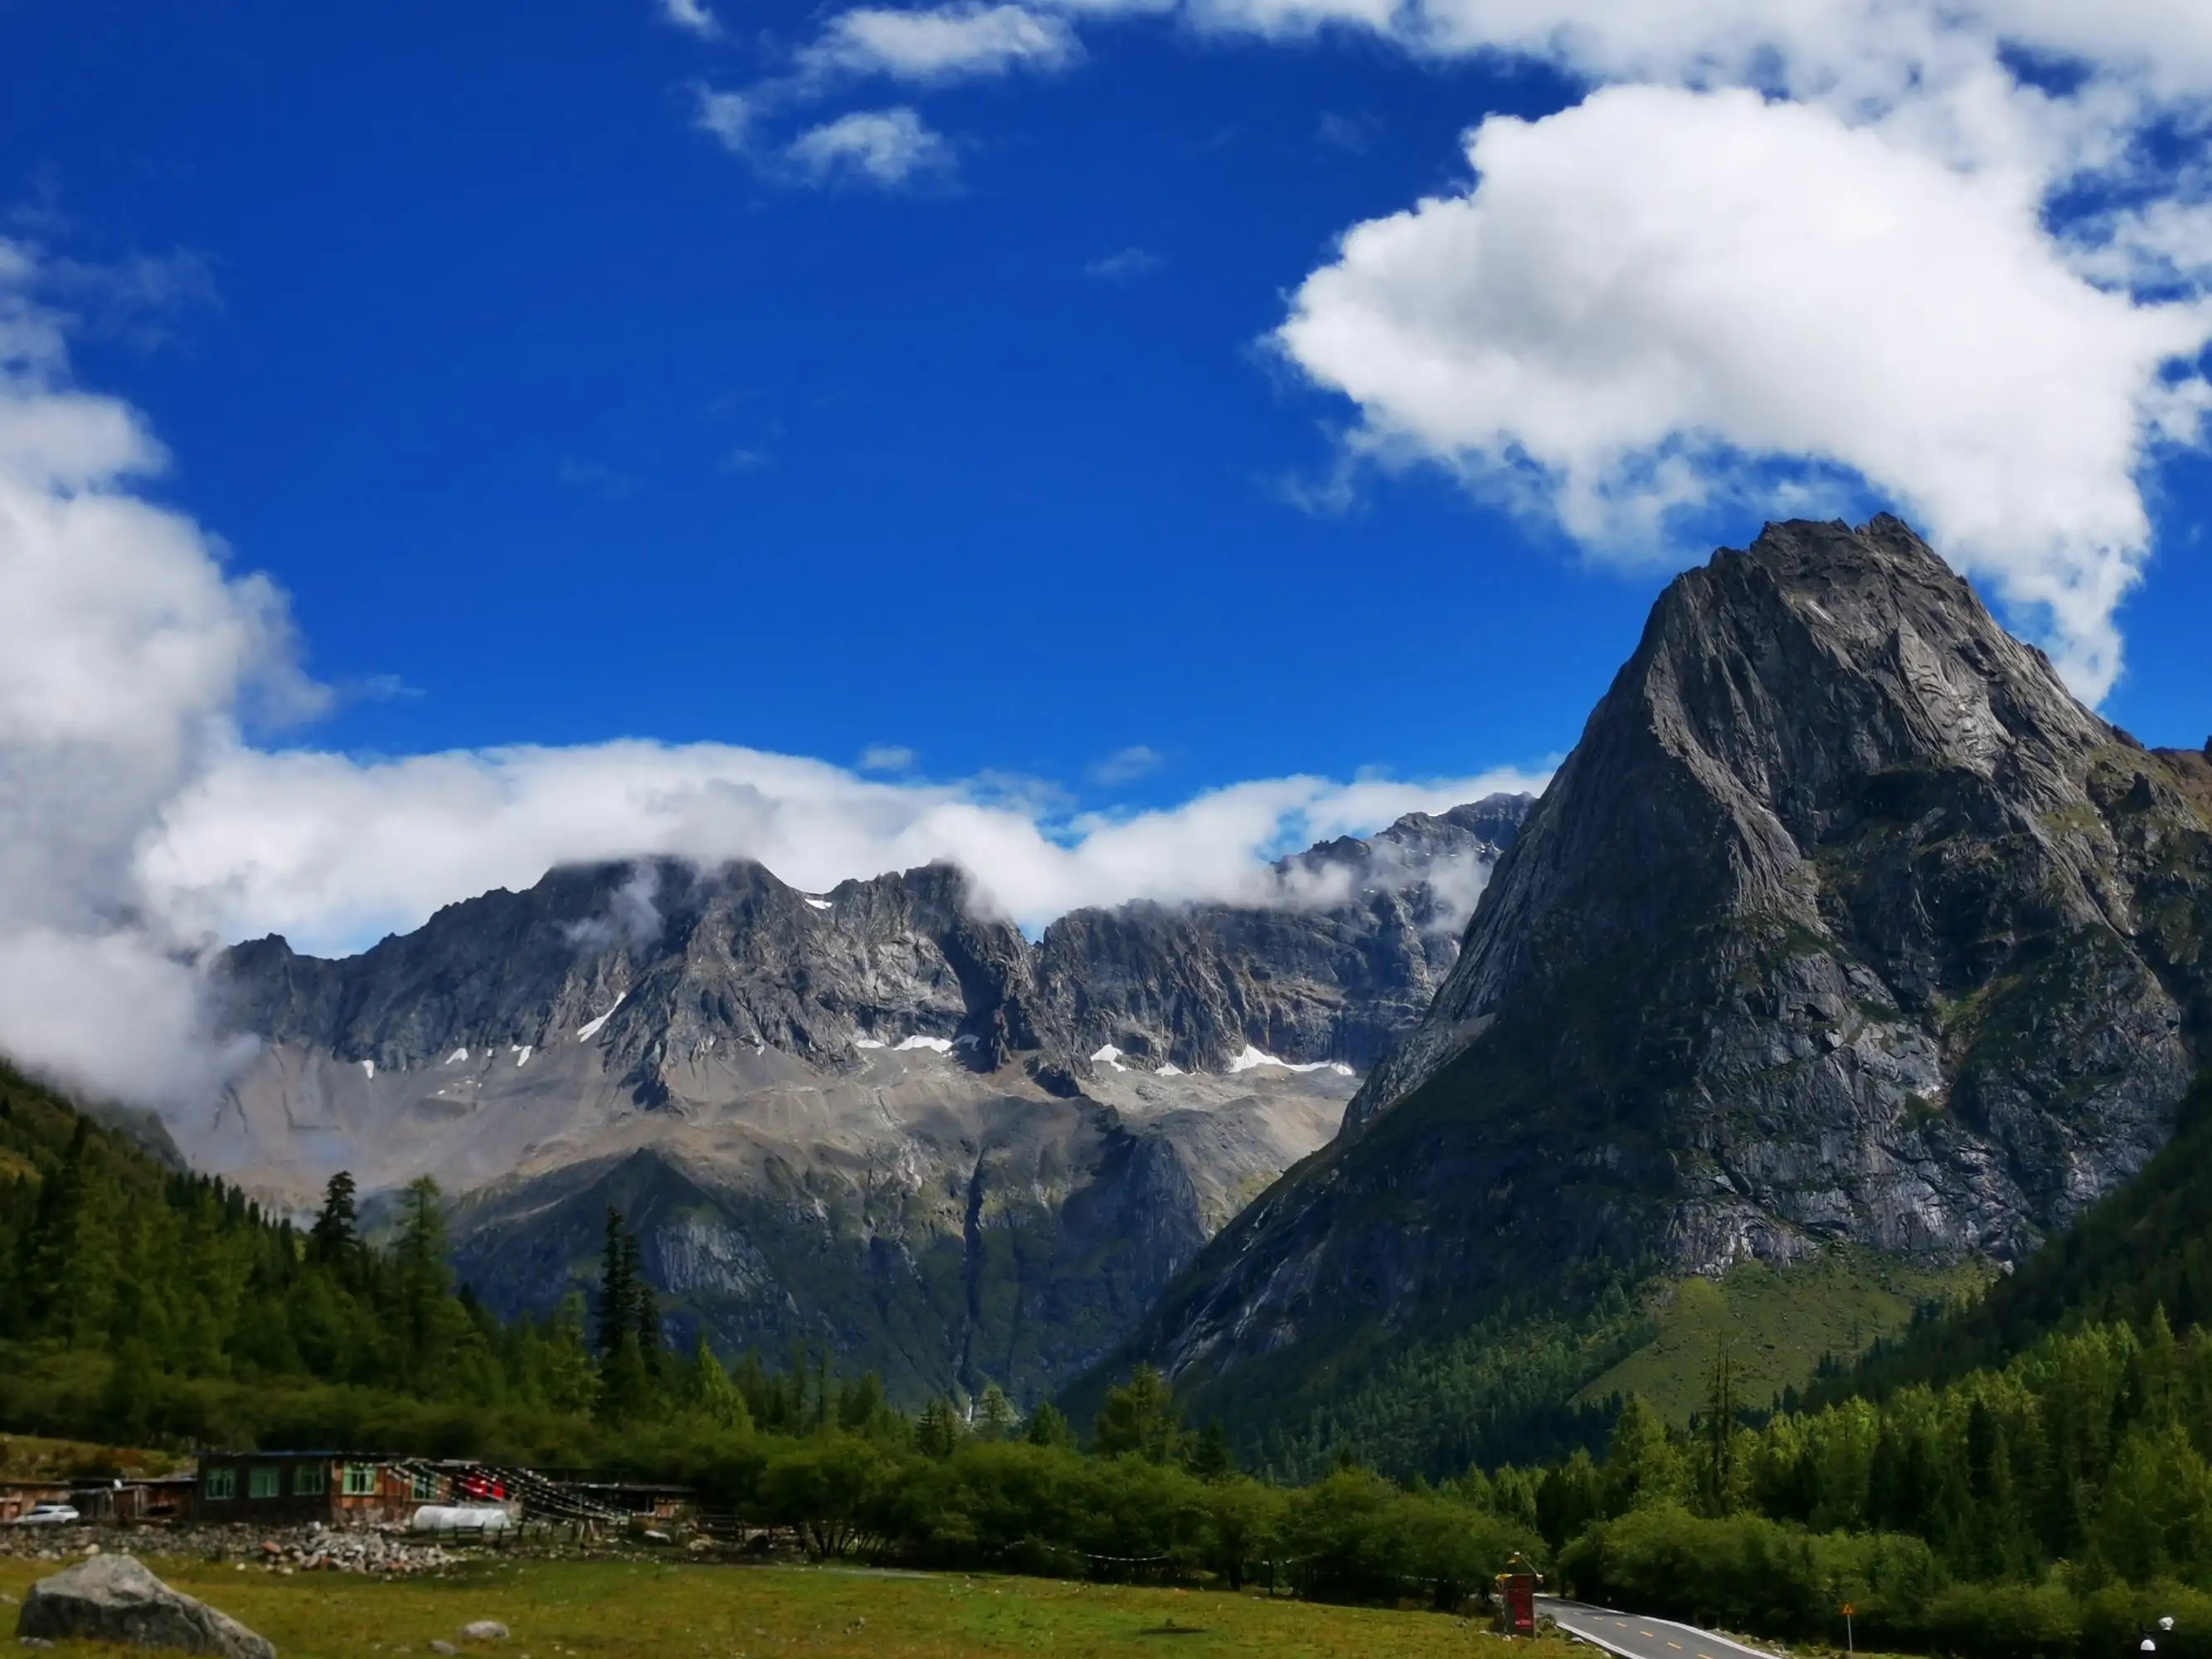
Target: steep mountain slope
(2139, 1251)
(873, 1118)
(1843, 923)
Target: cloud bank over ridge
(140, 824)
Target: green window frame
(361, 1480)
(264, 1480)
(218, 1484)
(425, 1488)
(310, 1480)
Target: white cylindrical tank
(455, 1518)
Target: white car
(48, 1515)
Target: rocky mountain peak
(1843, 923)
(1781, 697)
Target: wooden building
(339, 1489)
(121, 1501)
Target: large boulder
(112, 1598)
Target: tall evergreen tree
(1048, 1427)
(652, 1345)
(1140, 1417)
(1718, 1475)
(335, 1239)
(712, 1394)
(422, 1281)
(617, 1287)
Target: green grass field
(556, 1610)
(1776, 1325)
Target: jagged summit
(1843, 922)
(873, 1116)
(656, 960)
(1769, 689)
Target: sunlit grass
(556, 1609)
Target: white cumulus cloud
(1642, 298)
(1786, 255)
(127, 652)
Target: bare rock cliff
(1843, 922)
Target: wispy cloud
(1354, 134)
(940, 43)
(1129, 262)
(597, 478)
(924, 46)
(727, 115)
(887, 758)
(885, 147)
(1125, 765)
(692, 16)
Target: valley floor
(585, 1609)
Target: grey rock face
(660, 961)
(1338, 970)
(114, 1599)
(1844, 921)
(871, 1117)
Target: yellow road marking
(1677, 1646)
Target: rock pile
(292, 1549)
(351, 1552)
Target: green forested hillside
(2027, 1473)
(143, 1306)
(140, 1301)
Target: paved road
(1636, 1637)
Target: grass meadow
(563, 1609)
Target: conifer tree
(335, 1239)
(651, 1343)
(861, 1405)
(1048, 1427)
(1643, 1465)
(1210, 1458)
(617, 1287)
(1719, 1470)
(422, 1281)
(995, 1417)
(49, 1243)
(713, 1396)
(939, 1431)
(1140, 1417)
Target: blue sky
(545, 408)
(1153, 415)
(540, 405)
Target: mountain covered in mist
(873, 1118)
